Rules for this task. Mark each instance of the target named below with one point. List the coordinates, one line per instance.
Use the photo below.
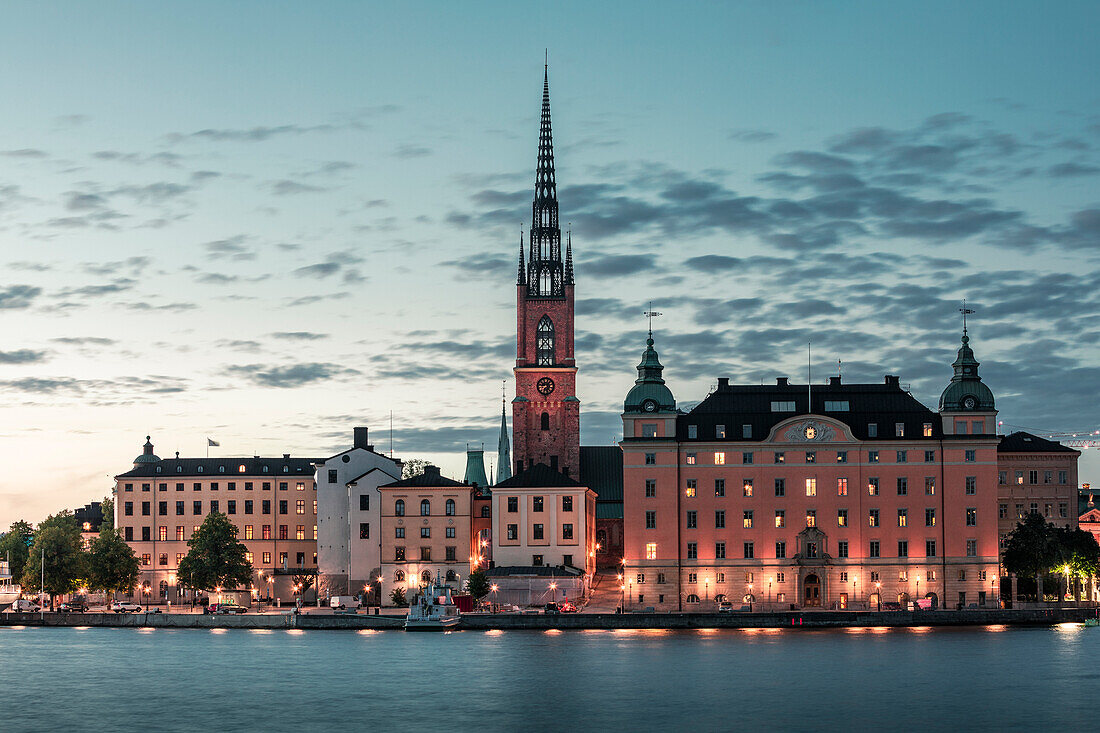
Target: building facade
(835, 496)
(271, 501)
(349, 541)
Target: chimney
(286, 455)
(430, 470)
(359, 439)
(834, 381)
(892, 380)
(723, 382)
(783, 382)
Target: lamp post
(706, 588)
(271, 589)
(770, 593)
(878, 595)
(992, 586)
(918, 591)
(622, 588)
(493, 589)
(750, 598)
(145, 592)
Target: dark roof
(376, 468)
(737, 405)
(602, 471)
(224, 467)
(430, 477)
(541, 570)
(90, 513)
(537, 477)
(1021, 442)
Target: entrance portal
(811, 595)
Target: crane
(1083, 439)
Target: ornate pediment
(809, 430)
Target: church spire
(504, 457)
(520, 280)
(545, 269)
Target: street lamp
(145, 592)
(878, 595)
(706, 587)
(770, 592)
(750, 598)
(622, 587)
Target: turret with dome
(147, 455)
(650, 393)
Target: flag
(212, 442)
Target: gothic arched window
(545, 421)
(544, 342)
(544, 282)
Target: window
(811, 487)
(332, 476)
(872, 456)
(145, 536)
(811, 517)
(903, 576)
(962, 576)
(567, 531)
(425, 508)
(874, 576)
(719, 431)
(651, 487)
(425, 533)
(929, 485)
(746, 431)
(842, 517)
(651, 520)
(399, 533)
(248, 506)
(903, 517)
(544, 342)
(282, 506)
(780, 553)
(1019, 475)
(690, 491)
(842, 456)
(180, 536)
(872, 550)
(903, 548)
(692, 519)
(836, 405)
(971, 548)
(299, 532)
(266, 531)
(179, 487)
(719, 519)
(649, 430)
(842, 487)
(513, 531)
(299, 506)
(811, 549)
(971, 517)
(650, 459)
(747, 519)
(486, 511)
(903, 456)
(364, 530)
(162, 533)
(970, 456)
(960, 427)
(1048, 477)
(929, 517)
(232, 486)
(1062, 477)
(651, 551)
(783, 407)
(179, 508)
(426, 554)
(163, 560)
(872, 486)
(780, 518)
(1062, 509)
(780, 457)
(872, 517)
(719, 550)
(930, 551)
(844, 577)
(746, 487)
(692, 551)
(903, 486)
(719, 487)
(899, 430)
(872, 430)
(719, 459)
(971, 484)
(749, 551)
(811, 456)
(449, 508)
(1033, 477)
(513, 504)
(746, 458)
(129, 508)
(567, 503)
(780, 487)
(930, 456)
(926, 430)
(690, 458)
(842, 548)
(230, 507)
(145, 509)
(267, 506)
(449, 555)
(693, 432)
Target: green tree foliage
(478, 584)
(413, 467)
(112, 564)
(15, 545)
(66, 562)
(108, 508)
(303, 582)
(1030, 549)
(397, 595)
(215, 559)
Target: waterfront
(981, 678)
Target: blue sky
(269, 222)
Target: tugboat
(432, 609)
(9, 591)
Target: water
(991, 678)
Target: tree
(215, 559)
(397, 595)
(302, 583)
(1078, 554)
(1030, 550)
(58, 536)
(107, 506)
(15, 546)
(413, 467)
(477, 584)
(112, 564)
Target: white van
(342, 602)
(24, 605)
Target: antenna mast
(809, 403)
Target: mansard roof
(224, 467)
(1021, 442)
(539, 476)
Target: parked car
(225, 608)
(125, 607)
(891, 606)
(74, 605)
(725, 607)
(343, 602)
(551, 609)
(25, 605)
(566, 607)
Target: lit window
(811, 487)
(651, 551)
(811, 517)
(842, 517)
(719, 459)
(746, 488)
(240, 468)
(927, 431)
(690, 490)
(842, 487)
(903, 517)
(691, 459)
(899, 430)
(780, 518)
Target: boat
(1092, 622)
(433, 609)
(9, 591)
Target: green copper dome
(649, 393)
(147, 453)
(966, 392)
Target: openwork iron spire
(546, 273)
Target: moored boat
(9, 591)
(433, 609)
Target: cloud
(25, 153)
(119, 285)
(287, 187)
(18, 296)
(295, 375)
(1072, 170)
(411, 151)
(320, 270)
(22, 356)
(298, 335)
(751, 136)
(232, 248)
(84, 341)
(253, 134)
(619, 265)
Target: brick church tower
(546, 411)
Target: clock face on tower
(545, 386)
(969, 402)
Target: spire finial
(965, 312)
(650, 315)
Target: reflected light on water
(707, 631)
(920, 629)
(996, 627)
(879, 629)
(217, 631)
(81, 628)
(553, 631)
(857, 630)
(295, 632)
(1069, 626)
(262, 631)
(367, 632)
(146, 630)
(17, 628)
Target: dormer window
(199, 469)
(221, 469)
(265, 469)
(240, 468)
(179, 469)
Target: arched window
(692, 598)
(450, 507)
(399, 576)
(399, 508)
(720, 598)
(545, 421)
(426, 576)
(544, 342)
(451, 577)
(164, 588)
(486, 511)
(544, 282)
(425, 508)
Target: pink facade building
(836, 495)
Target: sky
(266, 223)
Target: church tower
(546, 411)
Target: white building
(348, 536)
